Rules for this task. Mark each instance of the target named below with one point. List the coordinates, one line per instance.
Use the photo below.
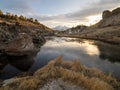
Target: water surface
(90, 53)
(96, 54)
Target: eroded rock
(106, 14)
(20, 46)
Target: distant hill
(60, 28)
(75, 30)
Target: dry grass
(70, 72)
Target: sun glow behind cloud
(90, 20)
(93, 19)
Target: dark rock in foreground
(22, 45)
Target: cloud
(17, 6)
(80, 16)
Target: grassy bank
(111, 41)
(70, 72)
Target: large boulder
(22, 45)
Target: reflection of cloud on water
(90, 49)
(85, 47)
(86, 52)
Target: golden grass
(70, 72)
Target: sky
(60, 12)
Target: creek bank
(68, 73)
(116, 42)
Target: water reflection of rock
(109, 52)
(14, 65)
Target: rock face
(4, 36)
(106, 14)
(19, 46)
(110, 18)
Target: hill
(19, 31)
(60, 28)
(75, 30)
(107, 29)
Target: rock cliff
(110, 18)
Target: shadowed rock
(106, 14)
(20, 46)
(110, 18)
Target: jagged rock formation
(106, 14)
(110, 18)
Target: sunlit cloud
(90, 14)
(93, 19)
(61, 12)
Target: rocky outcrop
(20, 46)
(106, 14)
(116, 11)
(110, 18)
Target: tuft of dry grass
(29, 84)
(69, 72)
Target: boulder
(22, 45)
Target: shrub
(77, 74)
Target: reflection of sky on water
(86, 52)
